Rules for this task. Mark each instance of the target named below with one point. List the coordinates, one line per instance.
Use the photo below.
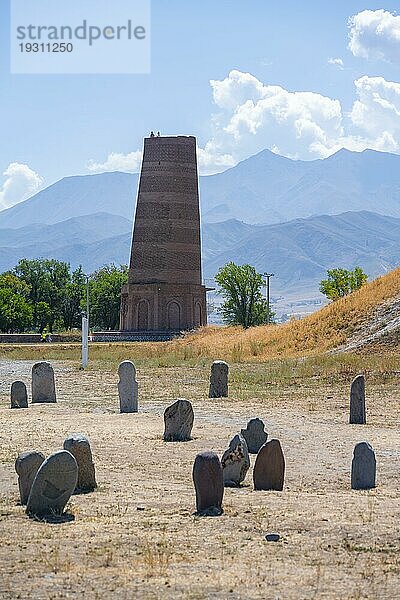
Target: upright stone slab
(219, 379)
(19, 395)
(26, 466)
(209, 484)
(53, 485)
(269, 468)
(127, 387)
(357, 401)
(255, 435)
(178, 421)
(235, 462)
(43, 385)
(79, 446)
(363, 467)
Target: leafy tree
(55, 288)
(9, 280)
(341, 282)
(241, 288)
(43, 315)
(71, 305)
(43, 294)
(15, 311)
(105, 296)
(47, 280)
(32, 272)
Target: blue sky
(56, 124)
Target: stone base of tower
(158, 307)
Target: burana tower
(164, 291)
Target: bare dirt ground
(136, 536)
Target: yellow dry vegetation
(314, 335)
(321, 331)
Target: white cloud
(211, 160)
(377, 112)
(378, 106)
(21, 183)
(305, 125)
(375, 34)
(251, 116)
(337, 62)
(117, 162)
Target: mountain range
(294, 218)
(298, 251)
(263, 189)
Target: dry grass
(335, 543)
(379, 366)
(320, 332)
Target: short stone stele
(53, 485)
(19, 395)
(269, 468)
(219, 379)
(357, 401)
(363, 467)
(255, 435)
(208, 483)
(26, 466)
(43, 385)
(235, 462)
(79, 446)
(127, 387)
(178, 421)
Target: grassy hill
(330, 328)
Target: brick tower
(164, 292)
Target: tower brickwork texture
(164, 290)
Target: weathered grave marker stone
(19, 395)
(269, 468)
(53, 485)
(357, 401)
(363, 467)
(127, 387)
(178, 421)
(235, 462)
(219, 379)
(208, 483)
(26, 466)
(43, 385)
(79, 446)
(255, 435)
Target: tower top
(159, 138)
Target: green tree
(48, 280)
(341, 282)
(16, 314)
(105, 296)
(243, 300)
(71, 306)
(43, 316)
(32, 272)
(55, 290)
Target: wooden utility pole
(267, 284)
